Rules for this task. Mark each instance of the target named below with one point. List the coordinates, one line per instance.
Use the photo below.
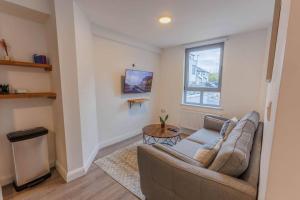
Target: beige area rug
(122, 166)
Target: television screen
(137, 81)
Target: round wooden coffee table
(153, 133)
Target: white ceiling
(193, 20)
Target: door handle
(269, 111)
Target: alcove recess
(46, 67)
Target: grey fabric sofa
(172, 173)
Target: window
(203, 75)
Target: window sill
(201, 106)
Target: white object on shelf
(6, 58)
(21, 91)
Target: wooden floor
(96, 184)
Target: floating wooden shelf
(136, 101)
(49, 95)
(26, 64)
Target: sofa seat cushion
(184, 150)
(200, 155)
(187, 147)
(233, 157)
(204, 136)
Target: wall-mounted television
(137, 81)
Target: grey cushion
(253, 117)
(251, 175)
(187, 147)
(227, 128)
(214, 123)
(178, 154)
(207, 154)
(204, 136)
(233, 157)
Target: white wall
(38, 5)
(76, 62)
(23, 113)
(244, 68)
(69, 86)
(86, 85)
(116, 120)
(34, 10)
(242, 86)
(283, 173)
(60, 140)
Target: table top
(155, 130)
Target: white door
(272, 98)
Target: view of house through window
(203, 75)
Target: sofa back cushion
(251, 175)
(253, 117)
(214, 123)
(233, 157)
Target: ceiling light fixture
(165, 20)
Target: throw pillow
(227, 128)
(207, 154)
(235, 119)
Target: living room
(116, 74)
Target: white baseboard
(71, 175)
(76, 173)
(5, 180)
(61, 170)
(52, 163)
(91, 158)
(118, 139)
(8, 179)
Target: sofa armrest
(165, 177)
(213, 122)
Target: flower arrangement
(4, 46)
(163, 118)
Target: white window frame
(202, 89)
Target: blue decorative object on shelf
(39, 59)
